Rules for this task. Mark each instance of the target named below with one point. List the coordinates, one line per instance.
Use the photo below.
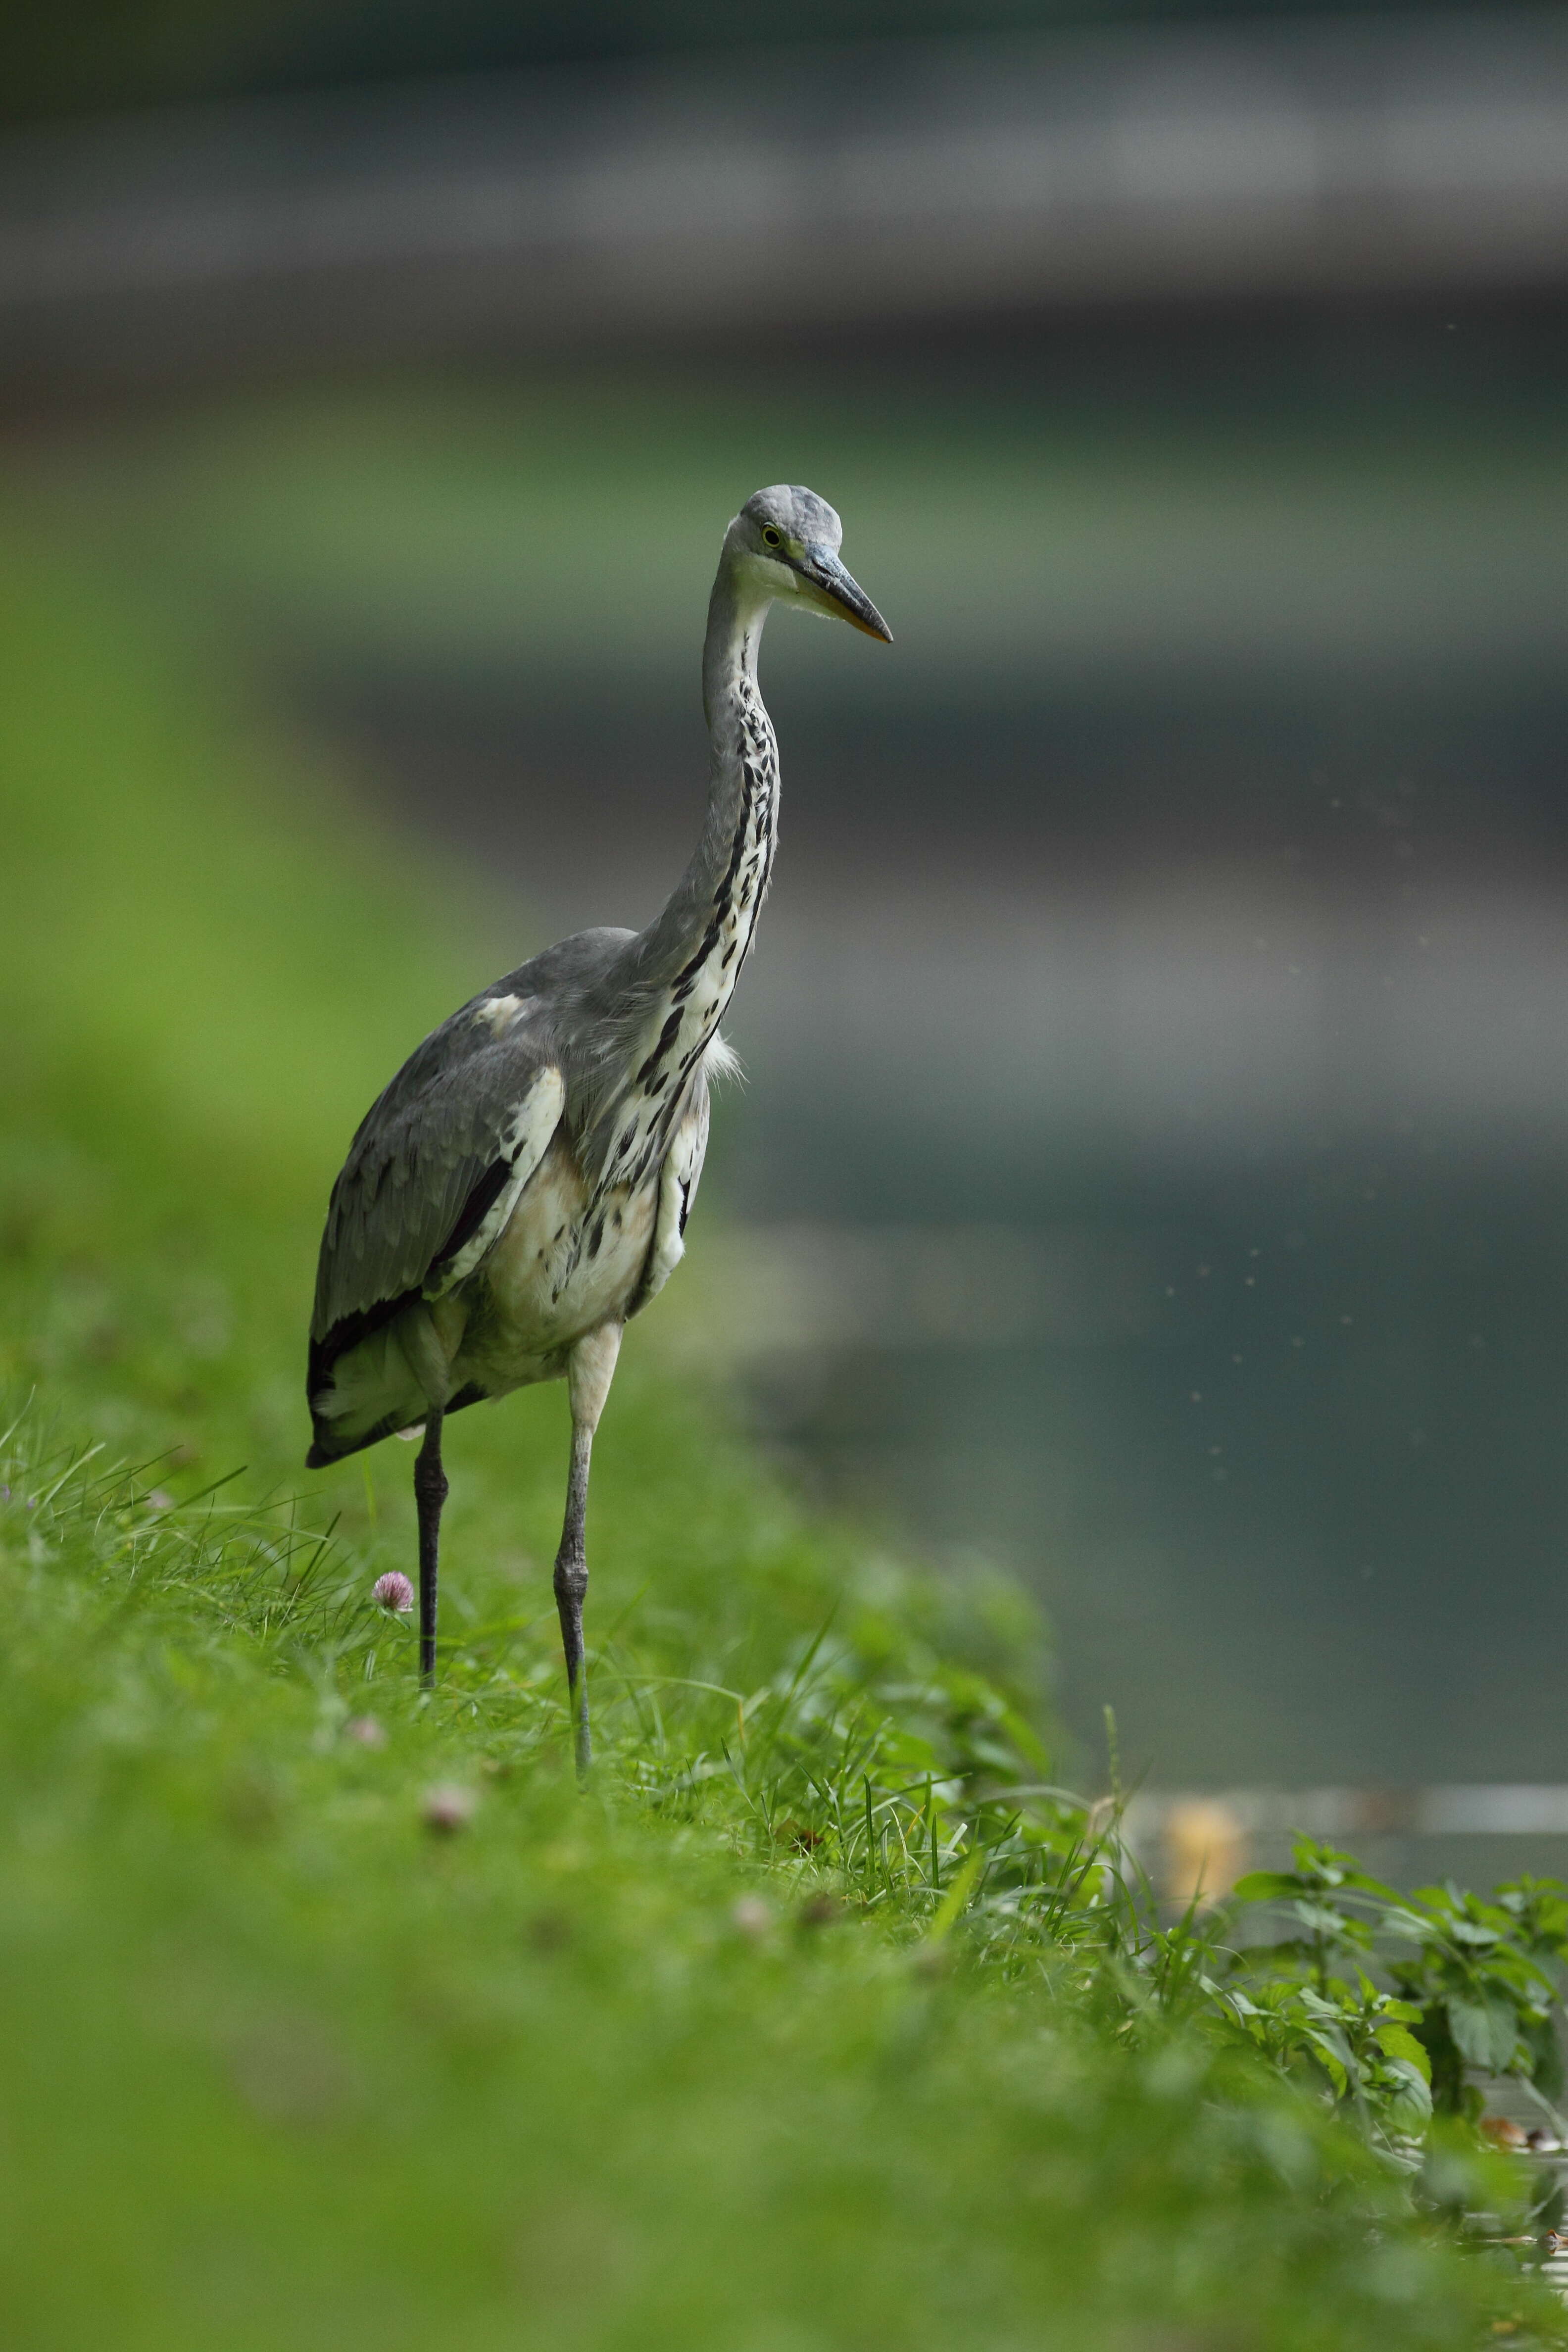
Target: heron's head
(787, 539)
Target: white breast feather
(677, 1189)
(721, 1061)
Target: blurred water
(1309, 1531)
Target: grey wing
(431, 1178)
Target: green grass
(284, 2064)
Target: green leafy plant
(1471, 1988)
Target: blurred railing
(1199, 1845)
(890, 182)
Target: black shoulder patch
(346, 1333)
(475, 1210)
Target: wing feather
(437, 1168)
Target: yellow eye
(772, 538)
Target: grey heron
(521, 1187)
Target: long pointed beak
(850, 601)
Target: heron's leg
(570, 1589)
(428, 1360)
(429, 1494)
(589, 1373)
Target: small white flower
(448, 1808)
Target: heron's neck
(707, 927)
(681, 973)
